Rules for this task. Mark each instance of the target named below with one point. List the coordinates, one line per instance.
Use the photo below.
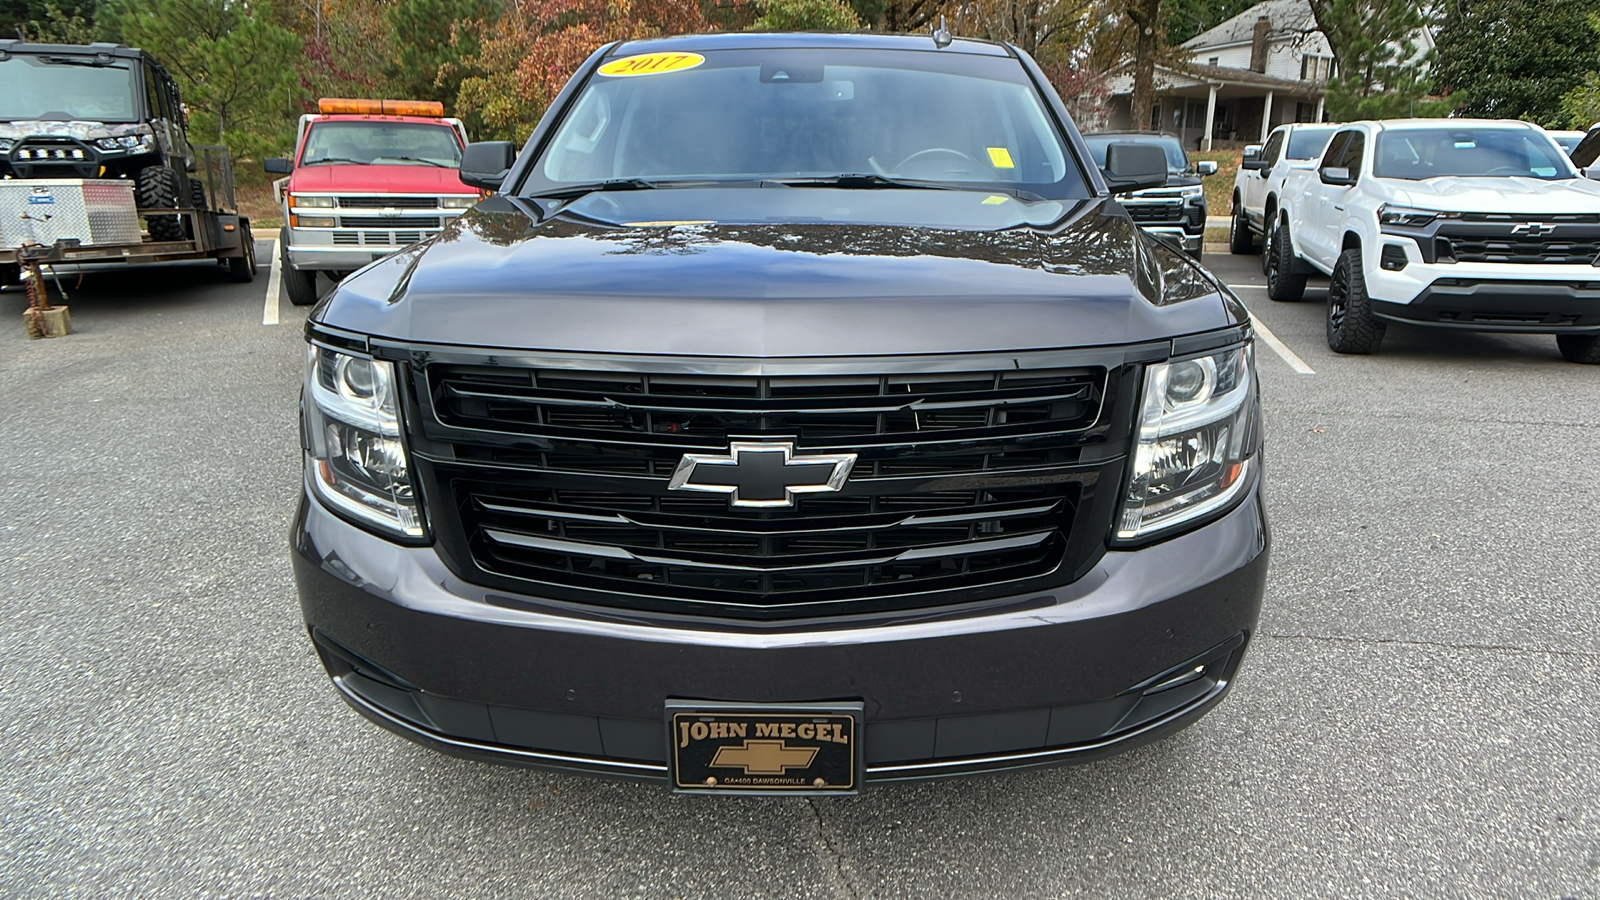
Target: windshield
(382, 143)
(1307, 143)
(65, 88)
(773, 114)
(1176, 160)
(1567, 141)
(1415, 154)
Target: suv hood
(708, 272)
(358, 179)
(1497, 194)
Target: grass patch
(1219, 187)
(255, 201)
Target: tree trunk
(1146, 16)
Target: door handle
(1338, 207)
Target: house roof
(1286, 16)
(1200, 73)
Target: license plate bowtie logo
(762, 474)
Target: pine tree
(1514, 59)
(1382, 72)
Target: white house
(1265, 66)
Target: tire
(1269, 215)
(10, 274)
(1284, 284)
(242, 269)
(1240, 240)
(1351, 326)
(158, 189)
(299, 284)
(1580, 348)
(197, 194)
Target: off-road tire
(1580, 348)
(197, 194)
(1269, 216)
(1351, 326)
(299, 284)
(1240, 240)
(157, 188)
(1283, 282)
(243, 268)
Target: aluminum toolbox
(45, 210)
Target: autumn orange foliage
(529, 53)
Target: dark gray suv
(843, 430)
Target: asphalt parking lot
(1419, 716)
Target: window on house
(1316, 68)
(1155, 117)
(1213, 60)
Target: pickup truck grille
(1565, 250)
(409, 222)
(370, 202)
(1155, 212)
(555, 482)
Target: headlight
(1194, 193)
(357, 460)
(1408, 217)
(109, 143)
(311, 221)
(5, 146)
(1197, 440)
(296, 200)
(459, 202)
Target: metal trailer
(73, 221)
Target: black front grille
(1155, 212)
(1519, 249)
(412, 222)
(966, 480)
(389, 202)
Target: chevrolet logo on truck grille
(763, 474)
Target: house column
(1211, 115)
(1319, 109)
(1266, 117)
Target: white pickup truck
(1467, 224)
(1259, 182)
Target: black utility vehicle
(801, 411)
(98, 111)
(1176, 211)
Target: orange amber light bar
(336, 105)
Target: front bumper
(1183, 239)
(1143, 645)
(1529, 298)
(348, 249)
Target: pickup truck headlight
(297, 201)
(1408, 217)
(356, 458)
(459, 202)
(1196, 441)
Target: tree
(1185, 19)
(427, 56)
(1381, 70)
(234, 64)
(805, 15)
(1042, 28)
(1514, 59)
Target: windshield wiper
(572, 192)
(81, 61)
(870, 181)
(334, 159)
(420, 160)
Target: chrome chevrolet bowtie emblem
(1533, 229)
(762, 474)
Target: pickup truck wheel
(1580, 348)
(1351, 325)
(157, 188)
(299, 284)
(1283, 283)
(1240, 240)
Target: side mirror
(277, 166)
(1206, 167)
(1252, 161)
(484, 164)
(1587, 153)
(1338, 175)
(1132, 166)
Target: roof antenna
(941, 37)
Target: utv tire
(197, 194)
(242, 269)
(1580, 348)
(1240, 240)
(1283, 282)
(1351, 326)
(299, 284)
(158, 189)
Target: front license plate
(738, 748)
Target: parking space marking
(269, 310)
(1280, 348)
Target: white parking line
(269, 310)
(1271, 340)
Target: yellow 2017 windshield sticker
(651, 64)
(1000, 157)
